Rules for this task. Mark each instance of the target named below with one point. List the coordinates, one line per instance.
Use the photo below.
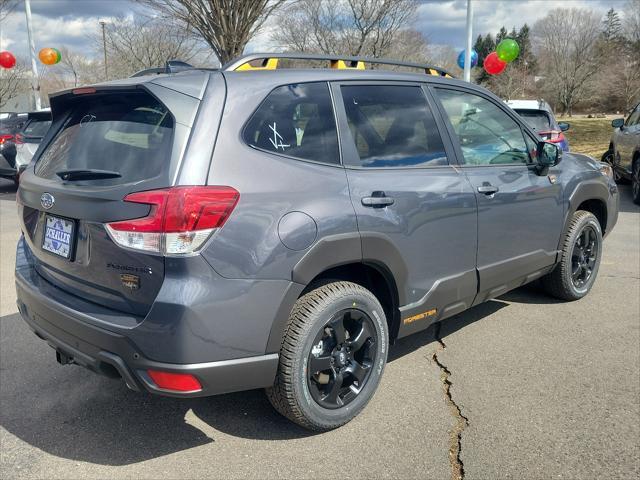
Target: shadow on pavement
(72, 413)
(626, 200)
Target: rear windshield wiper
(85, 174)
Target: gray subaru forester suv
(203, 232)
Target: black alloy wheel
(584, 256)
(341, 358)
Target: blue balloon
(474, 59)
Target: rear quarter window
(296, 120)
(129, 133)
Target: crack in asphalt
(455, 434)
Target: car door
(628, 139)
(520, 212)
(414, 207)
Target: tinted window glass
(296, 120)
(487, 135)
(392, 126)
(129, 133)
(536, 119)
(37, 128)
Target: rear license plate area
(58, 235)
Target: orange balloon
(49, 56)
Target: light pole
(104, 49)
(35, 85)
(467, 52)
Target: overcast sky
(68, 23)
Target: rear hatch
(102, 146)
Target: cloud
(445, 22)
(60, 23)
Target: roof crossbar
(269, 61)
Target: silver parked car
(624, 151)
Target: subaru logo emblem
(47, 201)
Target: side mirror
(564, 126)
(548, 155)
(617, 123)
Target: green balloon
(508, 50)
(59, 55)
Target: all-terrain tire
(290, 394)
(635, 182)
(559, 282)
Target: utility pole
(467, 52)
(35, 84)
(104, 49)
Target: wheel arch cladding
(346, 264)
(591, 196)
(376, 278)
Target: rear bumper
(114, 353)
(110, 354)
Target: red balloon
(7, 60)
(493, 65)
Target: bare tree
(226, 25)
(136, 44)
(13, 82)
(6, 7)
(566, 41)
(378, 28)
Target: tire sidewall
(589, 220)
(329, 417)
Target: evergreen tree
(611, 27)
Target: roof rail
(269, 61)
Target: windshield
(127, 133)
(537, 119)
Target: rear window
(129, 133)
(392, 126)
(296, 120)
(37, 128)
(536, 119)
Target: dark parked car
(214, 231)
(624, 151)
(18, 145)
(10, 123)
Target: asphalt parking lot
(547, 389)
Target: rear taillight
(176, 382)
(5, 138)
(19, 139)
(180, 220)
(553, 136)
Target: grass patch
(590, 136)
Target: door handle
(488, 189)
(377, 200)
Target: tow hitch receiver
(63, 358)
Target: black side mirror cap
(617, 122)
(548, 155)
(564, 126)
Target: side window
(487, 135)
(296, 120)
(392, 126)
